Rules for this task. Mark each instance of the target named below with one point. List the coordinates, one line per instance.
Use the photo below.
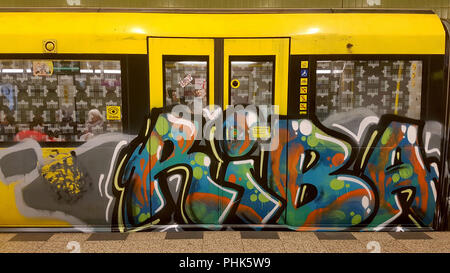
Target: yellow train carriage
(360, 94)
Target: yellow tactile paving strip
(227, 242)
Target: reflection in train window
(58, 100)
(186, 80)
(252, 80)
(372, 88)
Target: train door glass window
(186, 80)
(59, 100)
(252, 80)
(252, 83)
(370, 88)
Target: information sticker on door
(261, 131)
(187, 80)
(113, 112)
(42, 68)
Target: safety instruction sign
(113, 113)
(261, 131)
(304, 73)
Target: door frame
(158, 47)
(219, 65)
(279, 47)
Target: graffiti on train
(224, 169)
(311, 178)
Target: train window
(186, 80)
(371, 87)
(252, 80)
(59, 100)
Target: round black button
(50, 46)
(235, 83)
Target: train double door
(207, 181)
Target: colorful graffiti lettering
(313, 179)
(162, 151)
(380, 176)
(318, 194)
(404, 178)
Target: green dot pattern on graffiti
(337, 184)
(356, 219)
(162, 126)
(198, 172)
(200, 159)
(395, 177)
(312, 141)
(406, 171)
(262, 198)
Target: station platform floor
(227, 242)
